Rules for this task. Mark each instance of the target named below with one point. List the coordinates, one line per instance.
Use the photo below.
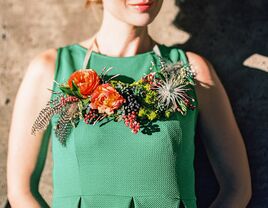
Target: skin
(31, 97)
(128, 36)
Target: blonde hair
(88, 3)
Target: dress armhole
(183, 56)
(56, 72)
(185, 61)
(42, 155)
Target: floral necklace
(92, 97)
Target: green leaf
(85, 101)
(74, 86)
(160, 75)
(167, 113)
(66, 89)
(183, 106)
(191, 81)
(76, 90)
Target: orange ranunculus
(86, 80)
(106, 99)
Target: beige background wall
(231, 34)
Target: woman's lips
(141, 7)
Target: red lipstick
(141, 6)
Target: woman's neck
(116, 38)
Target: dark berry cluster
(131, 104)
(131, 108)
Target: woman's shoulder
(202, 66)
(45, 57)
(43, 63)
(199, 64)
(39, 73)
(37, 79)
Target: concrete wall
(232, 35)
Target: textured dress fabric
(108, 166)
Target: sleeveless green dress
(107, 166)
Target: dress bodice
(106, 165)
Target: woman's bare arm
(23, 148)
(223, 141)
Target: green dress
(107, 166)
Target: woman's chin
(141, 23)
(140, 19)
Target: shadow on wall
(233, 36)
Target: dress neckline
(139, 55)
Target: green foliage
(147, 113)
(151, 97)
(167, 113)
(74, 91)
(66, 89)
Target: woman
(124, 172)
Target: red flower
(86, 80)
(106, 99)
